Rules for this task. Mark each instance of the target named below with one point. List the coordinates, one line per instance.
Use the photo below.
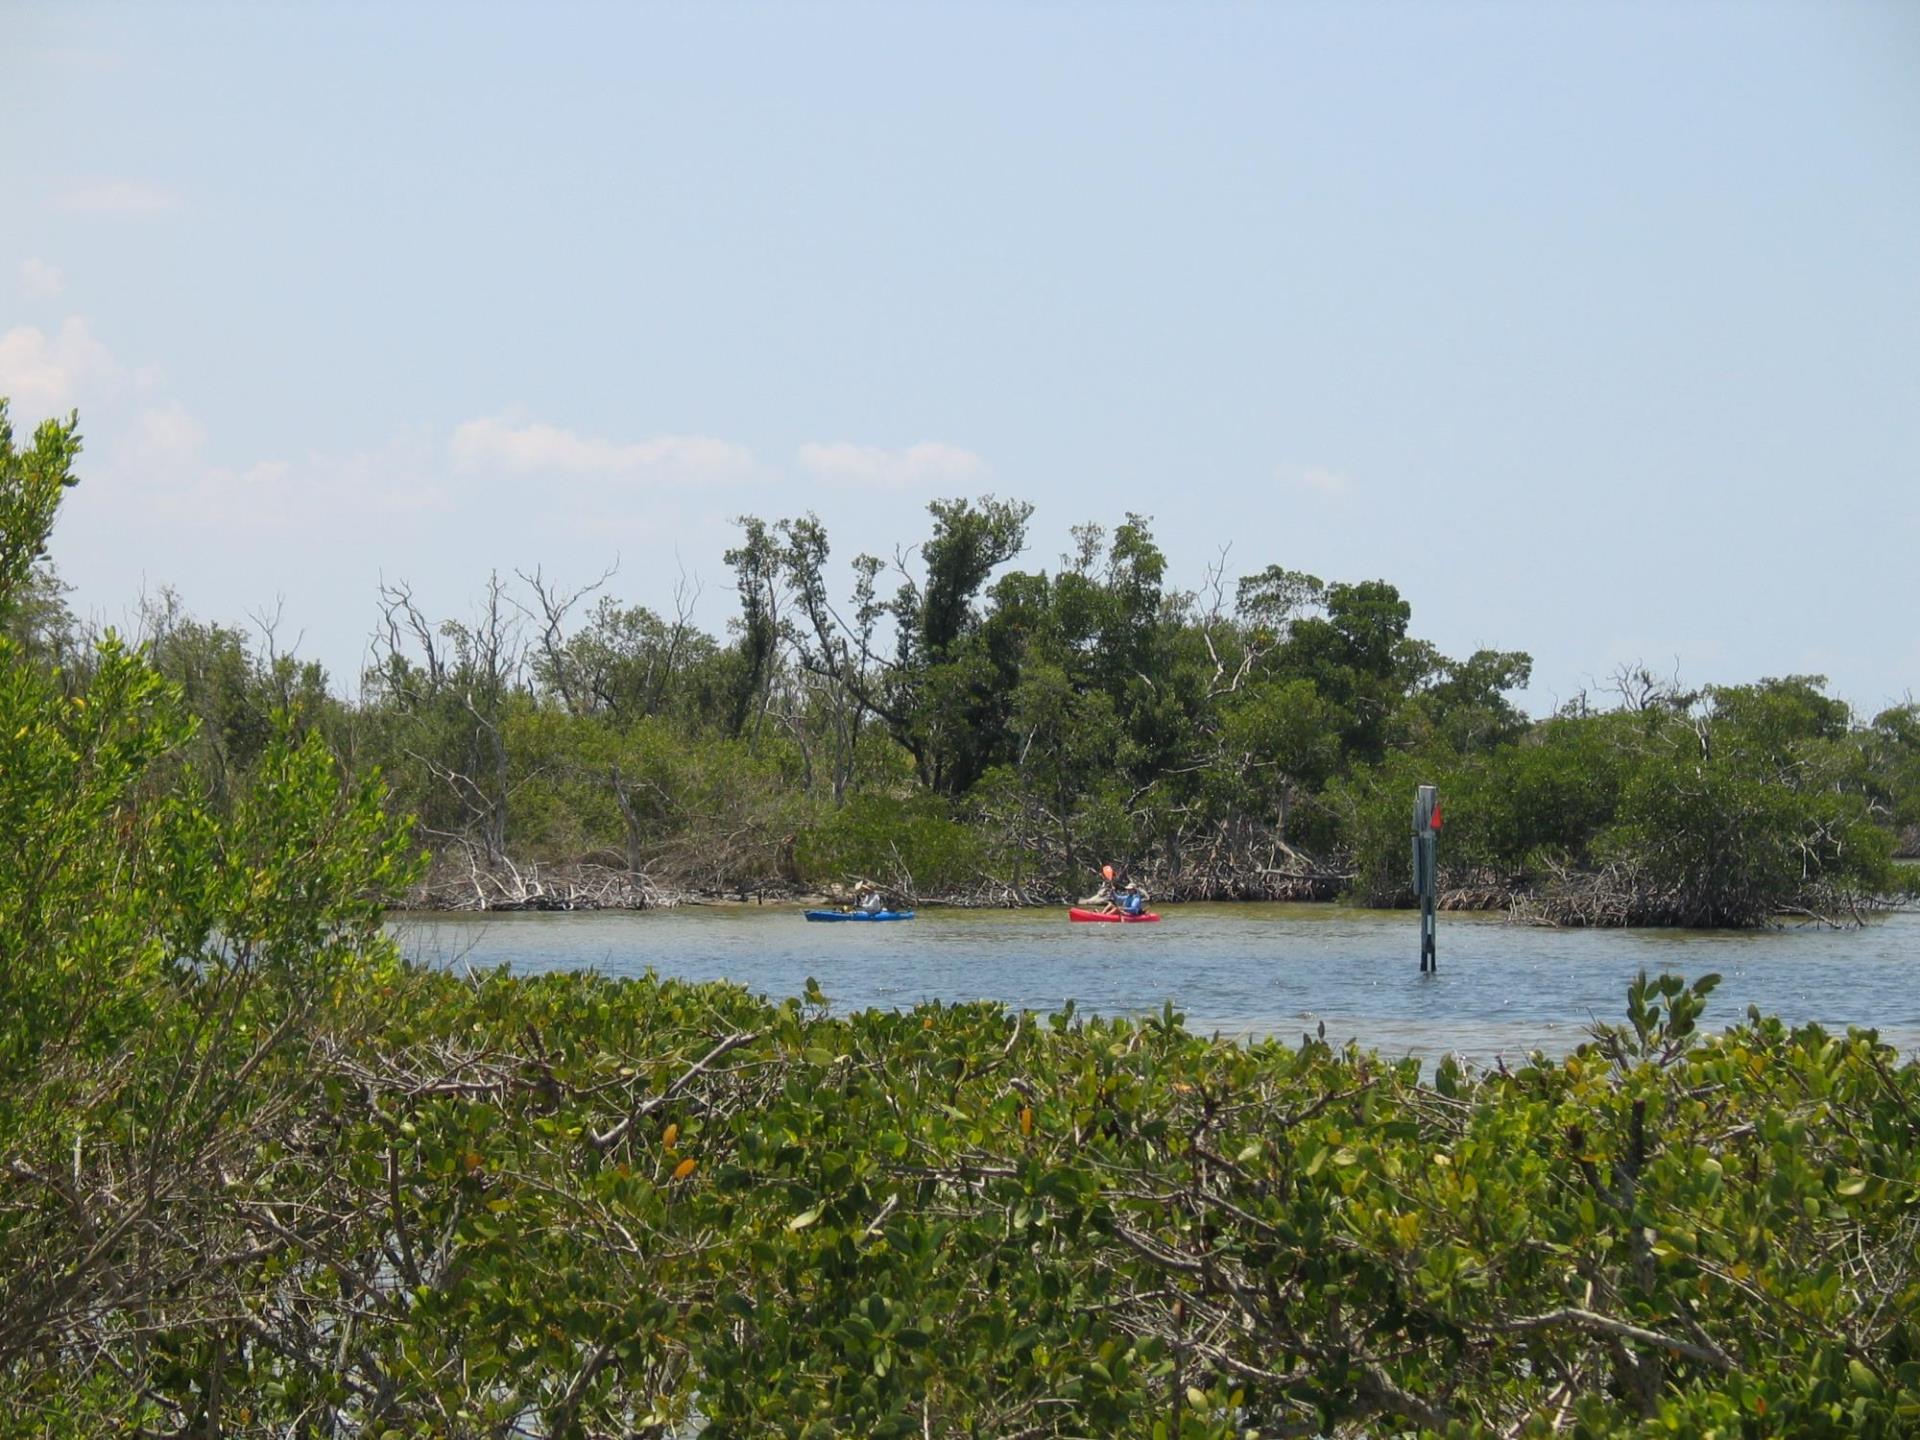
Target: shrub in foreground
(570, 1205)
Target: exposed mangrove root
(1623, 895)
(1619, 895)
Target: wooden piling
(1425, 872)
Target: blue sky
(1595, 329)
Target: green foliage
(31, 484)
(170, 971)
(73, 767)
(239, 699)
(756, 567)
(1465, 706)
(969, 543)
(913, 846)
(616, 1205)
(1724, 815)
(1893, 784)
(1724, 845)
(627, 664)
(1353, 656)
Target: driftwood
(467, 882)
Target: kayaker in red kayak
(1118, 894)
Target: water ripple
(1240, 970)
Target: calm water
(1238, 969)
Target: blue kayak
(859, 914)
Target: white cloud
(402, 477)
(40, 280)
(161, 460)
(50, 374)
(1315, 480)
(167, 434)
(495, 442)
(841, 462)
(117, 197)
(314, 495)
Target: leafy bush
(1723, 818)
(910, 845)
(1717, 844)
(601, 1206)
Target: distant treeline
(960, 726)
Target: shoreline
(1468, 901)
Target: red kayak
(1115, 917)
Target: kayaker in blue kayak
(858, 897)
